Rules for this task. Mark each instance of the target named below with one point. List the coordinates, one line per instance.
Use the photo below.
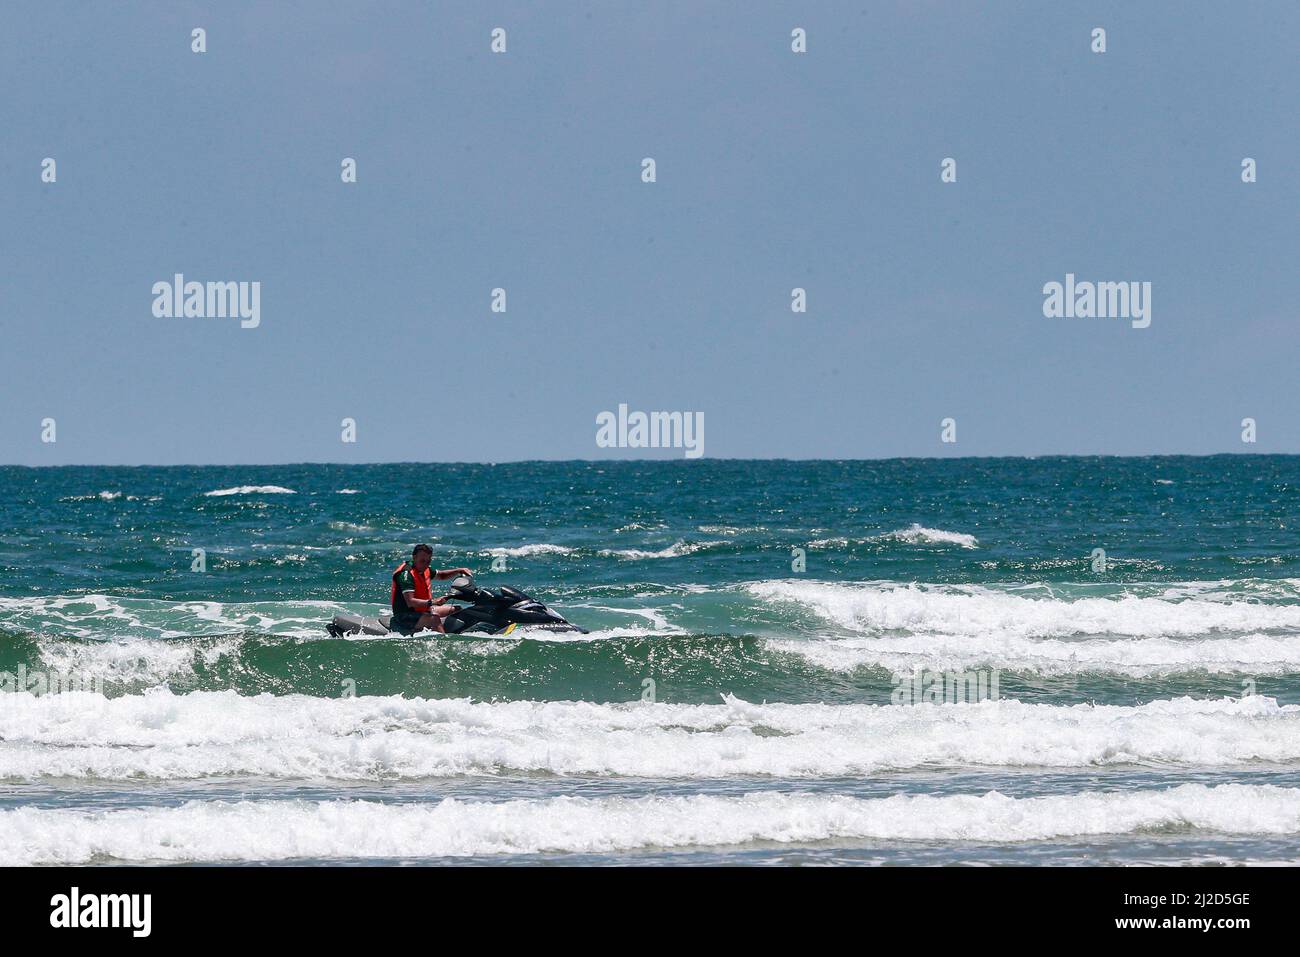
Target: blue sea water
(1133, 623)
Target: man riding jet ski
(499, 612)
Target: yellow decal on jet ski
(513, 626)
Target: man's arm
(451, 573)
(416, 604)
(406, 582)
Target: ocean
(966, 661)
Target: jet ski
(494, 611)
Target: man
(414, 607)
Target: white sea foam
(913, 535)
(654, 617)
(105, 496)
(160, 735)
(523, 551)
(1190, 626)
(79, 615)
(675, 550)
(918, 534)
(251, 490)
(113, 617)
(135, 663)
(1140, 657)
(294, 829)
(342, 526)
(977, 611)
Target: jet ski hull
(348, 625)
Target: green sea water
(752, 626)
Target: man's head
(421, 557)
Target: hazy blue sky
(522, 170)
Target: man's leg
(433, 620)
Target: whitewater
(735, 700)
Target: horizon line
(664, 460)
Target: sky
(522, 170)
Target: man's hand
(453, 572)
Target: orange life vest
(422, 587)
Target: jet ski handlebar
(463, 588)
